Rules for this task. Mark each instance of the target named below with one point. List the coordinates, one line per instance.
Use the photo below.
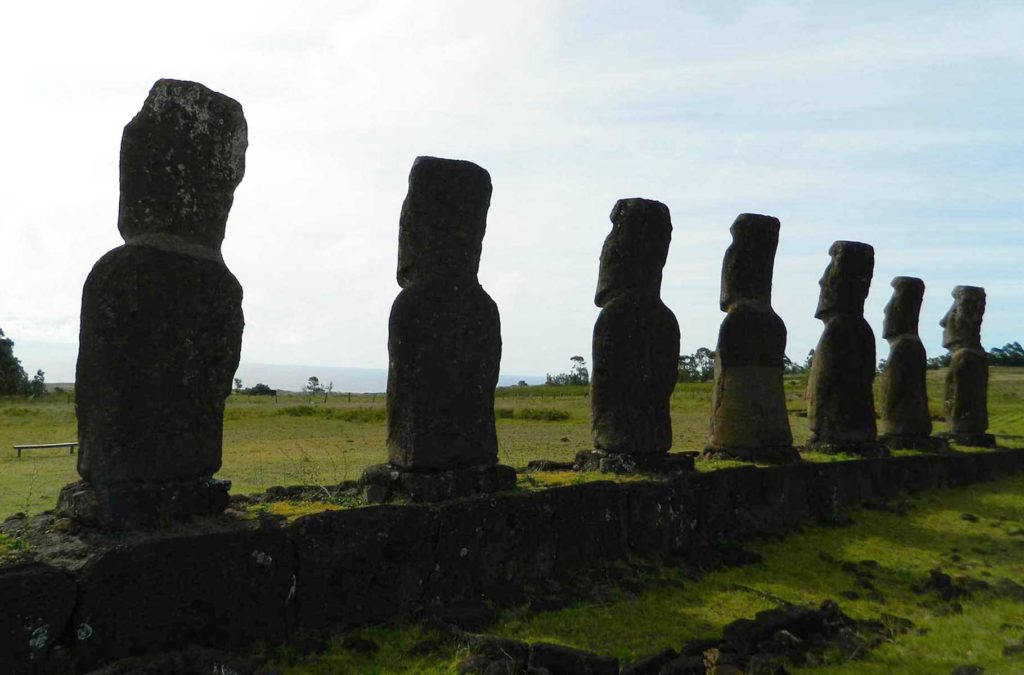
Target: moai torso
(904, 395)
(444, 340)
(840, 403)
(162, 321)
(749, 418)
(636, 337)
(966, 399)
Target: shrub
(343, 414)
(544, 414)
(504, 413)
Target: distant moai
(966, 398)
(636, 343)
(749, 420)
(161, 324)
(840, 401)
(444, 343)
(906, 422)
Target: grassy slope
(805, 568)
(264, 447)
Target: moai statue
(444, 344)
(840, 402)
(966, 399)
(636, 345)
(161, 327)
(906, 422)
(749, 419)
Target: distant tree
(313, 386)
(881, 366)
(809, 360)
(1010, 354)
(578, 374)
(37, 387)
(238, 385)
(327, 390)
(940, 361)
(696, 367)
(13, 379)
(522, 383)
(791, 368)
(261, 390)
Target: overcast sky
(897, 124)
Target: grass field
(296, 440)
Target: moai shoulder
(636, 337)
(162, 320)
(749, 420)
(966, 393)
(840, 399)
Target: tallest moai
(161, 327)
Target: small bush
(300, 411)
(343, 414)
(544, 414)
(504, 413)
(355, 414)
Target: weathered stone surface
(561, 660)
(162, 321)
(150, 591)
(840, 400)
(35, 609)
(445, 336)
(610, 462)
(222, 590)
(749, 420)
(182, 157)
(363, 565)
(966, 396)
(380, 482)
(906, 422)
(184, 662)
(636, 337)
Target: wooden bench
(72, 446)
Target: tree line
(14, 381)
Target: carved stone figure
(636, 340)
(840, 402)
(444, 343)
(966, 399)
(906, 422)
(749, 419)
(161, 327)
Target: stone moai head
(962, 323)
(635, 251)
(182, 156)
(750, 260)
(904, 307)
(444, 215)
(847, 279)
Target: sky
(899, 124)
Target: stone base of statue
(385, 482)
(772, 454)
(969, 440)
(132, 505)
(919, 443)
(861, 448)
(621, 463)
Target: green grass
(671, 608)
(299, 440)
